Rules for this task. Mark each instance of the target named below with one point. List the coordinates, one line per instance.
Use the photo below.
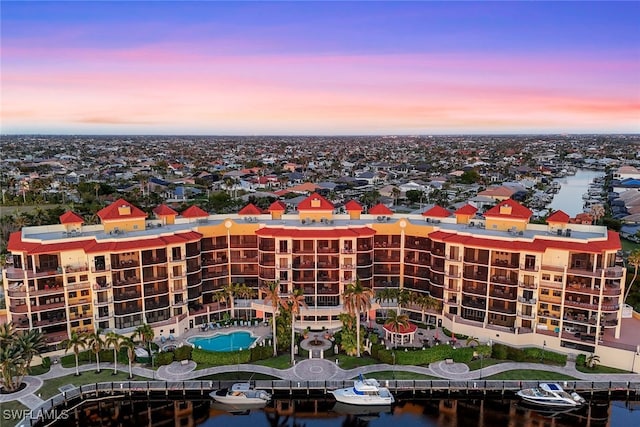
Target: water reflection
(326, 412)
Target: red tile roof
(517, 210)
(352, 205)
(112, 211)
(164, 210)
(277, 206)
(194, 212)
(309, 204)
(501, 191)
(250, 209)
(466, 210)
(537, 245)
(558, 216)
(380, 209)
(409, 329)
(70, 217)
(437, 212)
(313, 233)
(90, 245)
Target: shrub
(182, 353)
(499, 351)
(581, 360)
(219, 358)
(164, 358)
(46, 362)
(260, 353)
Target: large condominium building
(496, 276)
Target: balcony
(155, 291)
(530, 301)
(496, 293)
(474, 290)
(500, 263)
(102, 302)
(508, 309)
(506, 280)
(124, 265)
(20, 292)
(47, 307)
(78, 285)
(529, 267)
(125, 296)
(150, 279)
(104, 316)
(528, 285)
(19, 308)
(526, 315)
(474, 303)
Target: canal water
(326, 413)
(569, 198)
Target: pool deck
(261, 332)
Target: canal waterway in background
(569, 198)
(325, 412)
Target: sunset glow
(320, 68)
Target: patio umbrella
(436, 336)
(453, 337)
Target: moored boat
(364, 392)
(551, 395)
(241, 394)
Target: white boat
(241, 394)
(551, 395)
(364, 392)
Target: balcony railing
(102, 302)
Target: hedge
(69, 360)
(164, 358)
(428, 355)
(219, 358)
(529, 354)
(182, 353)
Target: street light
(481, 357)
(544, 344)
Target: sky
(319, 68)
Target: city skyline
(320, 68)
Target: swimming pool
(224, 342)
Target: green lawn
(38, 370)
(399, 375)
(599, 369)
(526, 374)
(474, 365)
(350, 362)
(11, 412)
(628, 245)
(280, 362)
(238, 376)
(50, 387)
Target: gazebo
(404, 334)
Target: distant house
(499, 193)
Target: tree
(272, 295)
(17, 350)
(634, 260)
(592, 361)
(470, 176)
(357, 299)
(293, 303)
(114, 340)
(231, 290)
(404, 298)
(145, 334)
(348, 335)
(426, 302)
(75, 342)
(131, 352)
(395, 192)
(414, 196)
(386, 295)
(396, 321)
(95, 343)
(472, 340)
(597, 212)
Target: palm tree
(131, 351)
(426, 302)
(634, 260)
(76, 342)
(245, 292)
(386, 295)
(592, 361)
(145, 334)
(357, 299)
(272, 295)
(95, 343)
(32, 343)
(396, 321)
(231, 290)
(472, 340)
(114, 340)
(293, 304)
(395, 192)
(404, 298)
(597, 212)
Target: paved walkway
(309, 369)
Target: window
(555, 307)
(546, 276)
(557, 293)
(73, 294)
(84, 293)
(544, 291)
(86, 322)
(557, 279)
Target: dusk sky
(317, 68)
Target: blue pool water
(224, 342)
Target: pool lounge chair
(172, 338)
